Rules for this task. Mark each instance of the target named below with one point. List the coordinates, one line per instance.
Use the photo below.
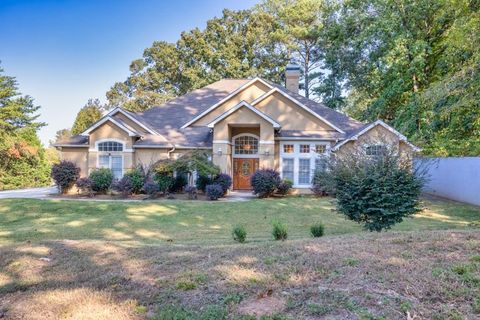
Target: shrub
(137, 179)
(224, 180)
(214, 191)
(150, 187)
(179, 182)
(322, 183)
(101, 179)
(239, 234)
(317, 230)
(84, 185)
(65, 174)
(124, 186)
(279, 231)
(265, 182)
(285, 186)
(164, 182)
(202, 182)
(376, 192)
(192, 192)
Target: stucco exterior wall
(148, 156)
(110, 131)
(130, 123)
(79, 156)
(249, 94)
(289, 115)
(380, 135)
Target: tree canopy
(87, 116)
(412, 63)
(22, 157)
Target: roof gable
(225, 99)
(243, 104)
(117, 122)
(370, 126)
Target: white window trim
(296, 156)
(256, 155)
(110, 155)
(125, 149)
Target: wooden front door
(242, 172)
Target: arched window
(246, 145)
(110, 146)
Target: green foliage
(317, 230)
(322, 183)
(264, 182)
(136, 179)
(179, 182)
(236, 45)
(164, 182)
(376, 192)
(23, 162)
(279, 231)
(124, 186)
(214, 191)
(239, 234)
(101, 179)
(285, 186)
(150, 187)
(202, 182)
(195, 160)
(65, 174)
(87, 116)
(224, 180)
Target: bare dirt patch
(367, 276)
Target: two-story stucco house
(245, 123)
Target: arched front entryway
(245, 159)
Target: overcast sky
(65, 52)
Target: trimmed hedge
(265, 182)
(65, 174)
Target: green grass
(198, 222)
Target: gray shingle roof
(168, 118)
(74, 140)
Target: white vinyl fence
(453, 178)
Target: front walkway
(32, 193)
(235, 196)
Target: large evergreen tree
(22, 157)
(87, 116)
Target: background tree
(235, 45)
(87, 116)
(22, 157)
(301, 22)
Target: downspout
(170, 151)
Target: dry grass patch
(432, 274)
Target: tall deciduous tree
(301, 22)
(236, 45)
(87, 116)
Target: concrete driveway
(32, 193)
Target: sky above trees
(66, 52)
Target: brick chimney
(292, 77)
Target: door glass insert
(245, 168)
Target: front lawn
(168, 260)
(198, 222)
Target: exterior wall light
(267, 152)
(219, 152)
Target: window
(114, 163)
(375, 150)
(320, 148)
(246, 145)
(304, 171)
(288, 148)
(110, 146)
(287, 169)
(304, 148)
